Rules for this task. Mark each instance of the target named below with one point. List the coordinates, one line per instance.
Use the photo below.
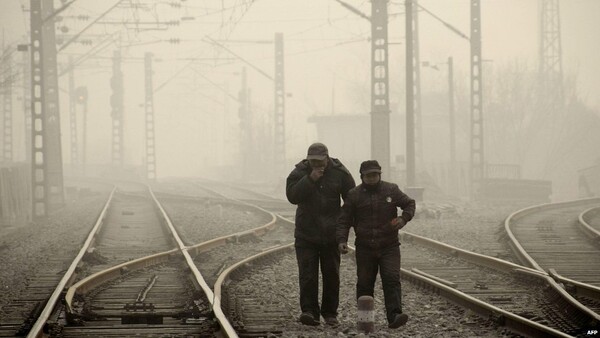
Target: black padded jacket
(318, 202)
(370, 211)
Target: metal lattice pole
(73, 118)
(7, 109)
(279, 107)
(477, 139)
(27, 102)
(410, 89)
(418, 116)
(149, 113)
(116, 102)
(47, 175)
(550, 54)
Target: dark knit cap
(370, 166)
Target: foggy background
(327, 73)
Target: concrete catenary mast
(149, 114)
(116, 103)
(410, 100)
(477, 138)
(73, 118)
(279, 107)
(380, 104)
(7, 106)
(416, 84)
(47, 170)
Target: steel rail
(518, 249)
(94, 280)
(37, 329)
(508, 319)
(551, 279)
(586, 227)
(214, 298)
(218, 312)
(525, 258)
(473, 257)
(226, 274)
(576, 287)
(98, 278)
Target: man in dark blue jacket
(316, 185)
(372, 209)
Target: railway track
(37, 256)
(518, 290)
(100, 305)
(152, 288)
(552, 238)
(513, 295)
(259, 310)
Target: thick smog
(288, 168)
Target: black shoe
(398, 321)
(332, 321)
(307, 318)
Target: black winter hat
(370, 166)
(317, 151)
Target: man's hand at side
(397, 223)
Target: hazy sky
(327, 51)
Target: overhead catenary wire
(66, 44)
(242, 59)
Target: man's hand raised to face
(318, 169)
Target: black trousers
(387, 261)
(309, 257)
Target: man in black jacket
(372, 209)
(316, 185)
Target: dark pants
(387, 261)
(309, 257)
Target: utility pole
(73, 119)
(245, 125)
(149, 113)
(279, 107)
(477, 144)
(418, 116)
(380, 106)
(453, 178)
(7, 107)
(46, 157)
(550, 54)
(81, 98)
(410, 88)
(116, 103)
(26, 99)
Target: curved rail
(473, 257)
(586, 227)
(39, 324)
(510, 320)
(514, 242)
(100, 277)
(91, 281)
(226, 274)
(499, 264)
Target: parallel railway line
(138, 277)
(555, 238)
